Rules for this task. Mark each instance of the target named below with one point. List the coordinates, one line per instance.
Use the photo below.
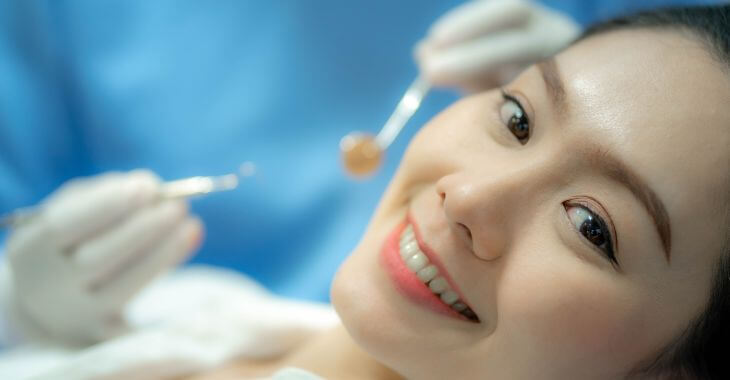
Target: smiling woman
(579, 215)
(573, 224)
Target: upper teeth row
(419, 264)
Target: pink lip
(406, 282)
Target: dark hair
(699, 351)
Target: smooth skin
(501, 216)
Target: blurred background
(190, 88)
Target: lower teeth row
(419, 264)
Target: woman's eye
(593, 228)
(514, 118)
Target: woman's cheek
(578, 314)
(450, 141)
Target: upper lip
(435, 260)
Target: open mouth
(429, 274)
(419, 276)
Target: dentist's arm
(485, 43)
(70, 271)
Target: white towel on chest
(189, 321)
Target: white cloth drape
(189, 321)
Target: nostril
(466, 230)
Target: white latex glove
(94, 245)
(485, 43)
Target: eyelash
(607, 247)
(518, 124)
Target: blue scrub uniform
(195, 88)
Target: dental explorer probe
(362, 153)
(182, 188)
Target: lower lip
(406, 282)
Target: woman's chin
(354, 293)
(360, 296)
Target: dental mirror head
(362, 153)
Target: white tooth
(406, 241)
(458, 306)
(409, 250)
(438, 285)
(428, 273)
(408, 229)
(417, 262)
(406, 236)
(449, 297)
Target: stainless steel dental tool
(182, 188)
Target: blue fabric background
(197, 87)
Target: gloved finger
(137, 235)
(469, 60)
(73, 186)
(169, 253)
(477, 18)
(32, 256)
(91, 210)
(27, 237)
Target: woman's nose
(484, 209)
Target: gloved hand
(485, 43)
(94, 245)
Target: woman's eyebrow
(554, 84)
(607, 163)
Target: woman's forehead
(646, 81)
(659, 96)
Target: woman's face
(577, 216)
